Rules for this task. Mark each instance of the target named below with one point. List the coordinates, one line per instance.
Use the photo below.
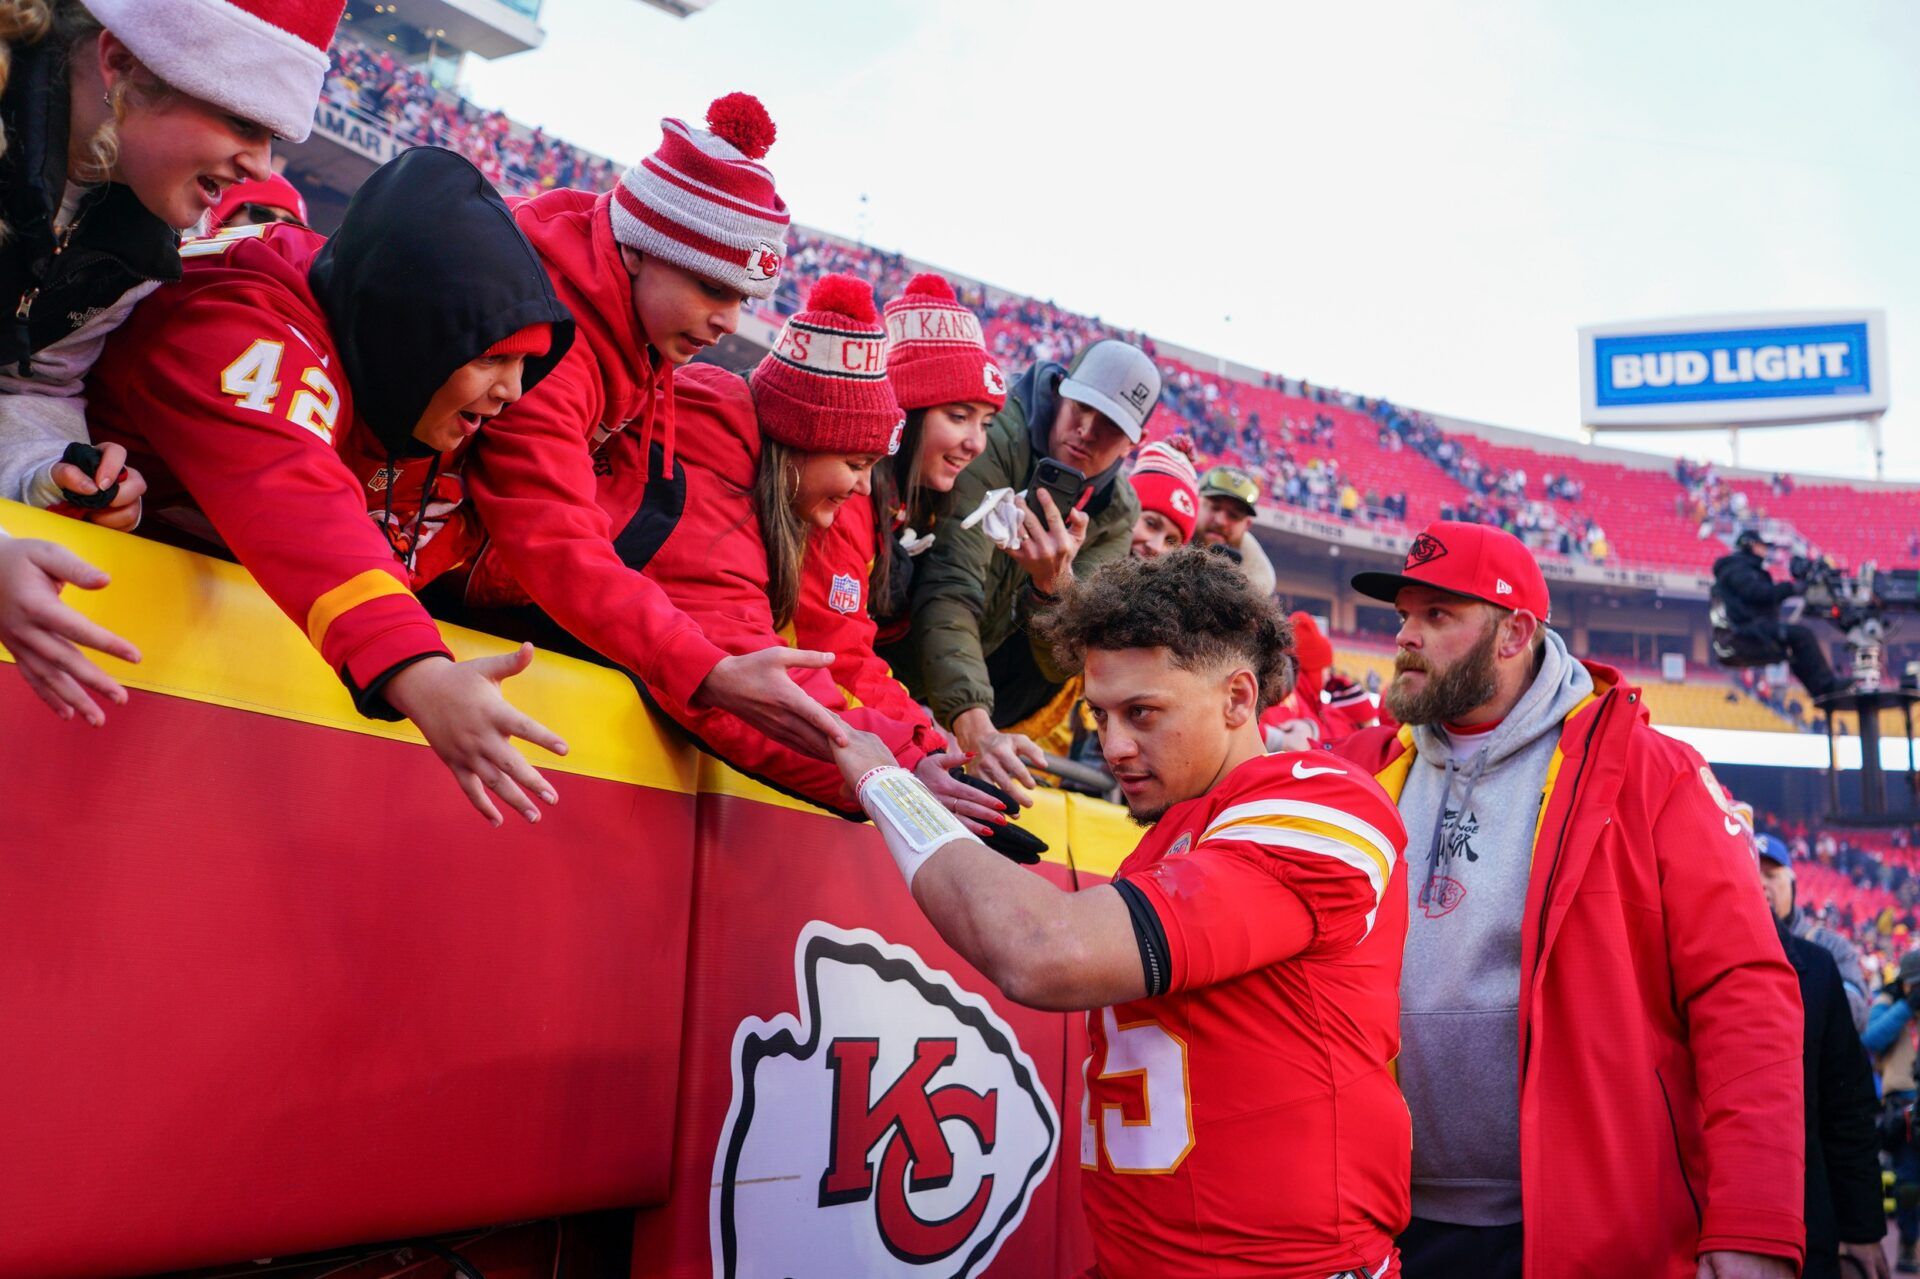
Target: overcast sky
(1422, 201)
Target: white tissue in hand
(914, 543)
(1000, 516)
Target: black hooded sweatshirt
(425, 273)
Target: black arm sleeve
(1155, 962)
(1847, 1112)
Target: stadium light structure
(1777, 368)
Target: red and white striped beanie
(823, 388)
(700, 201)
(1165, 480)
(261, 59)
(936, 353)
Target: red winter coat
(227, 391)
(832, 614)
(566, 467)
(1660, 1024)
(713, 566)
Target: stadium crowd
(950, 529)
(519, 161)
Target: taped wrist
(914, 823)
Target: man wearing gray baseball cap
(969, 653)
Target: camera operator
(1889, 1037)
(1753, 598)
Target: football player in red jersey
(1241, 972)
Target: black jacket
(1748, 590)
(1843, 1163)
(51, 285)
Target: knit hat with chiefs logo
(261, 59)
(1165, 480)
(700, 201)
(823, 388)
(1475, 560)
(936, 352)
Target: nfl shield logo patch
(845, 595)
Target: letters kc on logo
(894, 1128)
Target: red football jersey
(1246, 1121)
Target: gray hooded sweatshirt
(1470, 805)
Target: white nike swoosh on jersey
(309, 345)
(1302, 772)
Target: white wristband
(914, 823)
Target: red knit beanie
(936, 353)
(823, 388)
(702, 203)
(1166, 482)
(532, 340)
(274, 191)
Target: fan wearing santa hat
(314, 402)
(125, 121)
(580, 479)
(771, 464)
(857, 576)
(121, 124)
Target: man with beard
(1239, 971)
(1601, 1038)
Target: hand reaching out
(459, 708)
(43, 634)
(757, 688)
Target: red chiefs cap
(1475, 560)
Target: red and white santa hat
(261, 59)
(1165, 479)
(700, 201)
(823, 388)
(936, 352)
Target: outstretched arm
(1042, 946)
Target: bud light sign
(1734, 370)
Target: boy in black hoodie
(288, 388)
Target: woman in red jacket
(771, 463)
(857, 575)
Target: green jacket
(970, 598)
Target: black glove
(1010, 841)
(87, 458)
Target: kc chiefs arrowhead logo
(1425, 549)
(894, 1128)
(763, 261)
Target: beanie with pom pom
(936, 353)
(823, 388)
(702, 202)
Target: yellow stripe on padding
(351, 594)
(1310, 826)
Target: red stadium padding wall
(271, 987)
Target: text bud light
(1730, 370)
